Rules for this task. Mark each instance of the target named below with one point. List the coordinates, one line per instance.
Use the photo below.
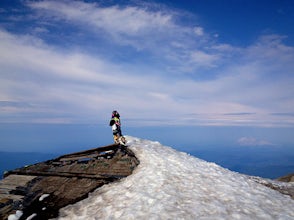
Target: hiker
(116, 128)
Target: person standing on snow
(116, 128)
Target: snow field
(169, 184)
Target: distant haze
(265, 152)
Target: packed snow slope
(169, 184)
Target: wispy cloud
(199, 31)
(124, 25)
(240, 113)
(143, 61)
(150, 28)
(204, 59)
(284, 114)
(117, 21)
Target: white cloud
(46, 78)
(199, 31)
(142, 28)
(159, 96)
(250, 141)
(201, 58)
(119, 22)
(70, 83)
(75, 85)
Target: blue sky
(167, 63)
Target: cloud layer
(74, 62)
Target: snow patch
(169, 184)
(42, 197)
(15, 216)
(31, 216)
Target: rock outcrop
(43, 188)
(287, 178)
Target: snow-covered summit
(169, 184)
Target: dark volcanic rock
(42, 189)
(287, 178)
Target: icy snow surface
(172, 185)
(15, 216)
